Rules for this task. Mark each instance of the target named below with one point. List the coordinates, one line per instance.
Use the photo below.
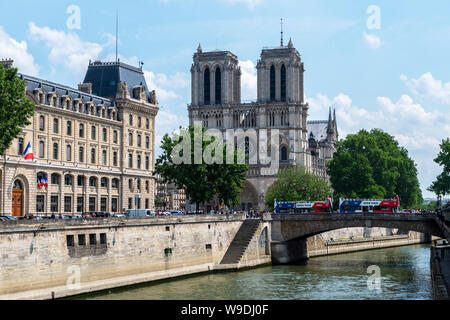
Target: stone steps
(241, 241)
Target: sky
(380, 64)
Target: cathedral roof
(105, 76)
(318, 129)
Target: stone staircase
(241, 241)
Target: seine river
(405, 275)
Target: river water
(405, 275)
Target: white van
(139, 213)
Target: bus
(283, 207)
(369, 206)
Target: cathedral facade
(280, 108)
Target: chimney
(7, 63)
(85, 87)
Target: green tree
(201, 181)
(442, 184)
(15, 108)
(373, 165)
(159, 202)
(295, 184)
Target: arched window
(284, 154)
(93, 181)
(69, 153)
(55, 179)
(218, 86)
(272, 83)
(68, 180)
(104, 182)
(283, 83)
(207, 87)
(115, 183)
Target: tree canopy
(15, 108)
(373, 165)
(442, 184)
(295, 184)
(202, 180)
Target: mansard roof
(105, 76)
(33, 83)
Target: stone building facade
(172, 198)
(280, 107)
(94, 146)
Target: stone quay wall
(67, 257)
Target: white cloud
(251, 3)
(249, 80)
(411, 125)
(18, 51)
(372, 40)
(66, 49)
(164, 84)
(428, 87)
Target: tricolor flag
(28, 154)
(39, 183)
(45, 182)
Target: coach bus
(283, 207)
(369, 206)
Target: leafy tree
(373, 165)
(15, 108)
(201, 181)
(442, 184)
(295, 184)
(159, 202)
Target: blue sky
(395, 77)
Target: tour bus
(284, 207)
(369, 206)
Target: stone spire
(290, 45)
(199, 49)
(330, 123)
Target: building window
(147, 203)
(105, 134)
(103, 204)
(55, 179)
(55, 151)
(41, 123)
(69, 153)
(130, 203)
(283, 83)
(114, 205)
(104, 157)
(130, 160)
(40, 203)
(102, 238)
(70, 241)
(80, 181)
(115, 159)
(147, 186)
(139, 122)
(147, 123)
(272, 83)
(68, 180)
(67, 204)
(81, 240)
(81, 155)
(139, 185)
(93, 156)
(81, 130)
(115, 136)
(92, 204)
(54, 204)
(55, 126)
(93, 131)
(147, 163)
(115, 183)
(147, 142)
(20, 147)
(138, 161)
(130, 139)
(69, 128)
(284, 154)
(139, 140)
(130, 184)
(218, 86)
(131, 119)
(207, 87)
(41, 149)
(80, 204)
(93, 181)
(104, 182)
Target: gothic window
(272, 83)
(218, 86)
(284, 155)
(207, 86)
(283, 83)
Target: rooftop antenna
(281, 31)
(117, 35)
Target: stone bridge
(290, 231)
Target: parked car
(4, 219)
(176, 213)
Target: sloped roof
(318, 129)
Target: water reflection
(405, 275)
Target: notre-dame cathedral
(216, 103)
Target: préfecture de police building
(93, 147)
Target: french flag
(45, 182)
(28, 153)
